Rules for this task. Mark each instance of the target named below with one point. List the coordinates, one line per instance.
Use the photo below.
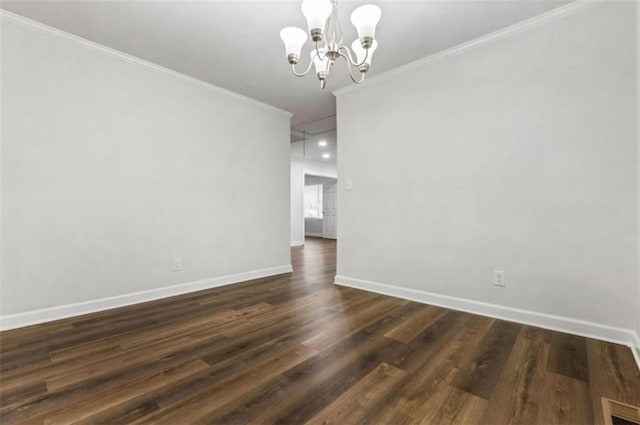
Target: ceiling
(320, 148)
(235, 44)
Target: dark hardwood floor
(294, 349)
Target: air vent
(616, 413)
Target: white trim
(297, 243)
(329, 172)
(314, 235)
(505, 32)
(57, 32)
(309, 168)
(541, 320)
(635, 348)
(28, 318)
(329, 168)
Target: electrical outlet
(498, 278)
(177, 264)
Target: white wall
(111, 168)
(637, 335)
(313, 227)
(519, 154)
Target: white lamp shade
(361, 52)
(316, 12)
(293, 39)
(365, 18)
(320, 65)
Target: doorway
(320, 207)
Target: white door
(330, 211)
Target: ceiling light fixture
(322, 20)
(322, 143)
(326, 155)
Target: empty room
(320, 212)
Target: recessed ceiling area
(321, 148)
(236, 44)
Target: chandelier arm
(293, 69)
(349, 58)
(351, 72)
(346, 55)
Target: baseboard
(635, 348)
(297, 243)
(541, 320)
(34, 317)
(314, 235)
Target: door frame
(317, 173)
(335, 215)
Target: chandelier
(329, 34)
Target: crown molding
(500, 34)
(19, 19)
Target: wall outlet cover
(177, 264)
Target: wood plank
(318, 381)
(194, 408)
(516, 398)
(565, 401)
(431, 341)
(480, 376)
(58, 372)
(352, 406)
(568, 356)
(612, 374)
(455, 407)
(413, 325)
(93, 406)
(414, 400)
(121, 378)
(324, 378)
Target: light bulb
(316, 12)
(326, 155)
(320, 64)
(293, 39)
(322, 143)
(365, 18)
(361, 52)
